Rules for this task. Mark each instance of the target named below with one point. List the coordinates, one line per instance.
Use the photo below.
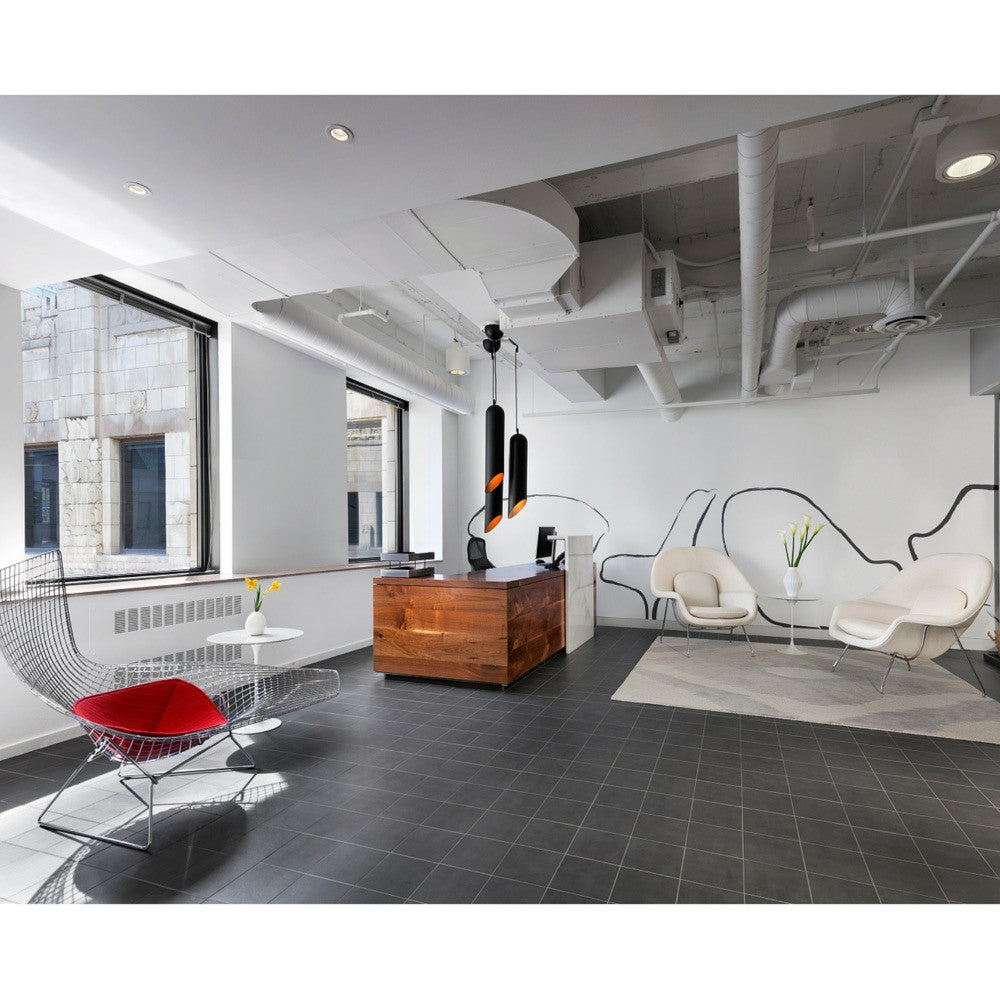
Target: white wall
(881, 466)
(23, 718)
(289, 457)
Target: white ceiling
(226, 171)
(251, 200)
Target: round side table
(791, 648)
(239, 637)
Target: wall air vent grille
(222, 653)
(164, 615)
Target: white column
(579, 590)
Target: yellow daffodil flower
(275, 585)
(251, 584)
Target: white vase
(792, 582)
(255, 623)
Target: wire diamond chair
(36, 638)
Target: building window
(118, 389)
(41, 498)
(375, 502)
(144, 496)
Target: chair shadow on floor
(99, 872)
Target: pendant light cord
(517, 427)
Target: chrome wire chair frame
(105, 748)
(687, 631)
(909, 660)
(37, 640)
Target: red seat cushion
(170, 707)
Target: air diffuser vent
(908, 321)
(152, 616)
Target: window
(144, 496)
(375, 505)
(117, 393)
(41, 498)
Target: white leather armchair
(919, 612)
(707, 589)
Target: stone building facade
(372, 426)
(99, 374)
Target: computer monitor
(543, 549)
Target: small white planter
(255, 623)
(792, 582)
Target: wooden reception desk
(491, 626)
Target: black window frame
(402, 407)
(205, 331)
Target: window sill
(158, 583)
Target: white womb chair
(707, 589)
(919, 612)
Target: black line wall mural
(629, 571)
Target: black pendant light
(494, 437)
(517, 488)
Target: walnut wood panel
(460, 629)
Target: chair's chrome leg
(836, 662)
(666, 606)
(687, 652)
(908, 664)
(69, 831)
(968, 658)
(892, 660)
(747, 637)
(732, 634)
(143, 775)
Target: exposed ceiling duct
(757, 157)
(662, 384)
(890, 297)
(320, 335)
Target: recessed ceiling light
(968, 150)
(969, 166)
(134, 187)
(340, 133)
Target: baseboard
(350, 647)
(764, 633)
(39, 742)
(804, 636)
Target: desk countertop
(499, 578)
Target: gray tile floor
(404, 791)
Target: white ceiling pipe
(887, 296)
(659, 377)
(895, 234)
(757, 158)
(307, 329)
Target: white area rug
(723, 677)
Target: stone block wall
(97, 372)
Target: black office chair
(477, 554)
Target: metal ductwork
(662, 384)
(889, 296)
(757, 155)
(308, 330)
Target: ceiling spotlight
(340, 133)
(134, 187)
(456, 359)
(968, 150)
